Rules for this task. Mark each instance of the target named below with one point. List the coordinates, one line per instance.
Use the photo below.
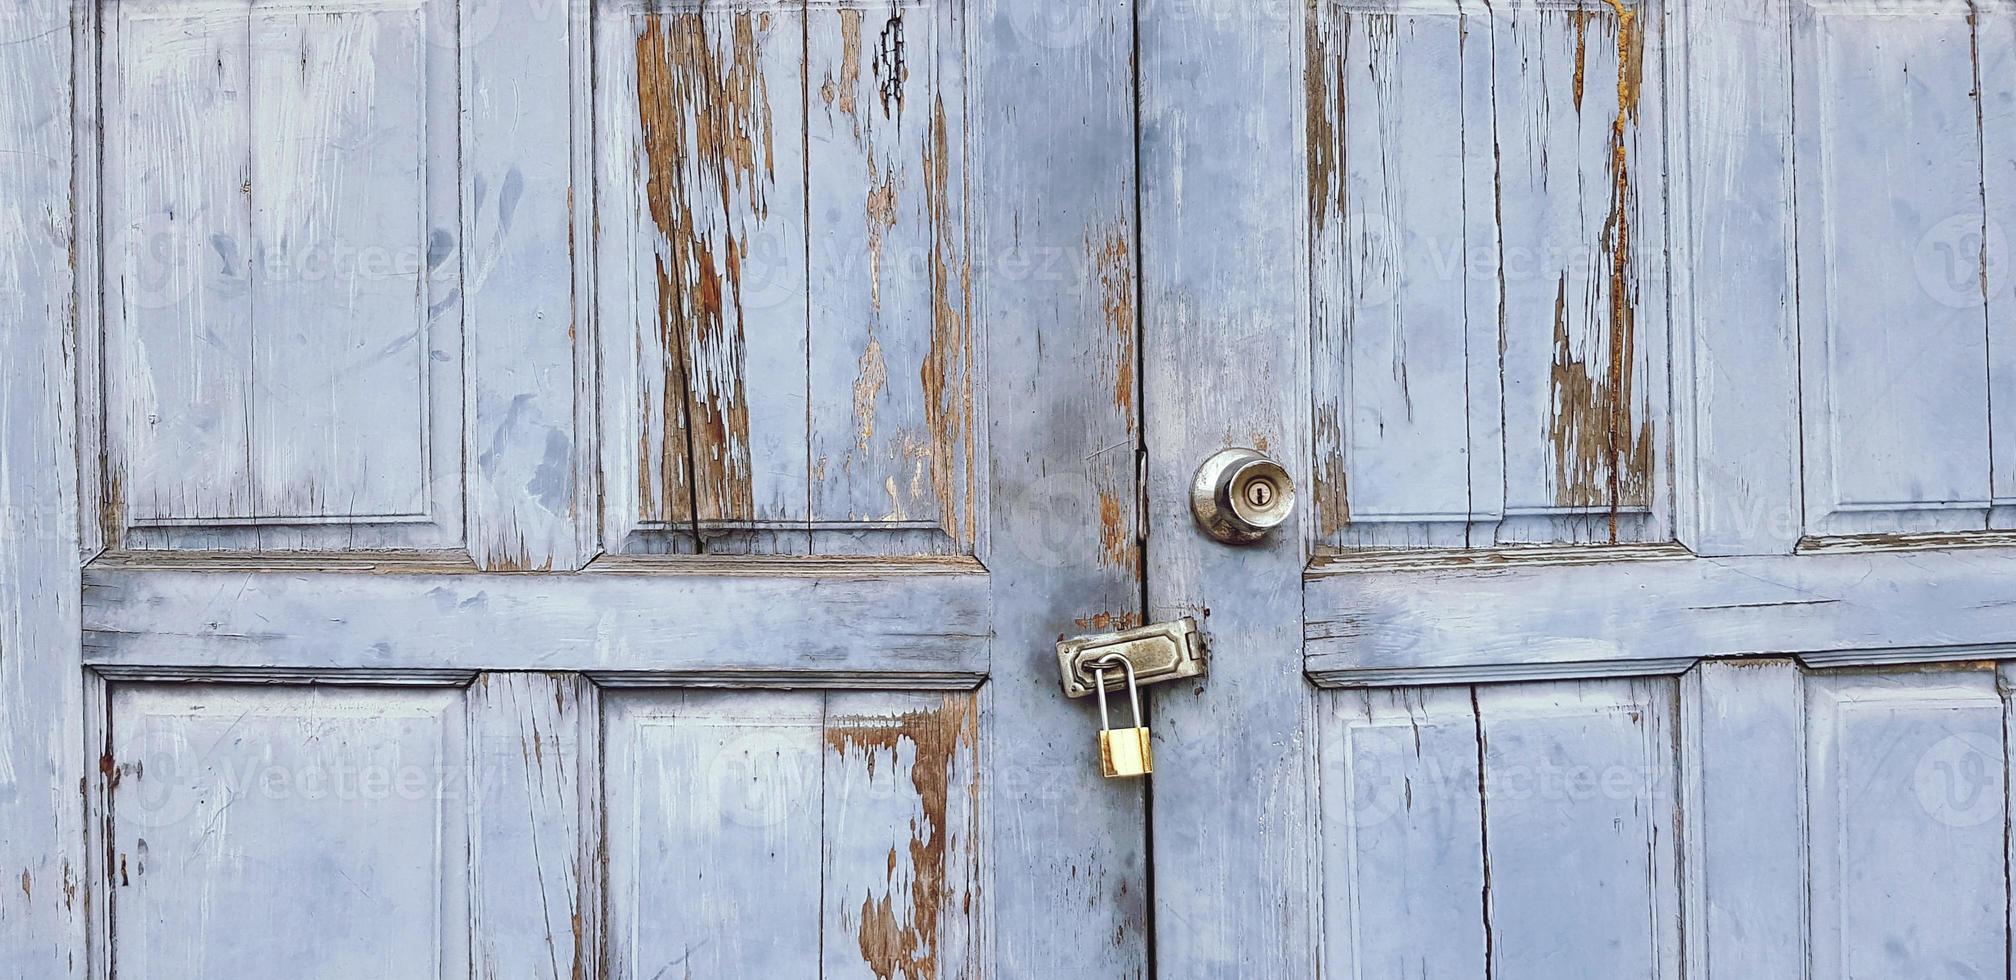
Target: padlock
(1124, 753)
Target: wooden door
(564, 489)
(1645, 364)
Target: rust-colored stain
(1603, 454)
(1107, 622)
(707, 138)
(899, 932)
(947, 373)
(1114, 262)
(1116, 541)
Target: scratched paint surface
(234, 832)
(793, 834)
(786, 279)
(1491, 817)
(1490, 350)
(279, 351)
(278, 346)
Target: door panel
(234, 818)
(282, 336)
(1868, 802)
(1563, 863)
(1908, 817)
(793, 833)
(1489, 362)
(785, 278)
(1897, 431)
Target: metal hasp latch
(1163, 652)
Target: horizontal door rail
(859, 626)
(1473, 622)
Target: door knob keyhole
(1240, 495)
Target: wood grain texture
(1487, 221)
(715, 833)
(1224, 280)
(1056, 301)
(1656, 615)
(785, 279)
(1743, 828)
(927, 627)
(527, 230)
(43, 914)
(1521, 830)
(535, 827)
(1403, 834)
(237, 832)
(794, 834)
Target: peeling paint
(947, 373)
(707, 128)
(1115, 264)
(899, 934)
(1116, 542)
(1603, 453)
(872, 376)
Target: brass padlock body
(1126, 753)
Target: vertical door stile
(1743, 818)
(1054, 273)
(526, 230)
(535, 808)
(43, 907)
(1226, 302)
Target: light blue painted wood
(1738, 466)
(715, 835)
(535, 811)
(1581, 837)
(1907, 821)
(1403, 835)
(527, 221)
(314, 833)
(42, 854)
(1891, 219)
(1743, 823)
(1224, 278)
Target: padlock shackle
(1126, 666)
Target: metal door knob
(1240, 495)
